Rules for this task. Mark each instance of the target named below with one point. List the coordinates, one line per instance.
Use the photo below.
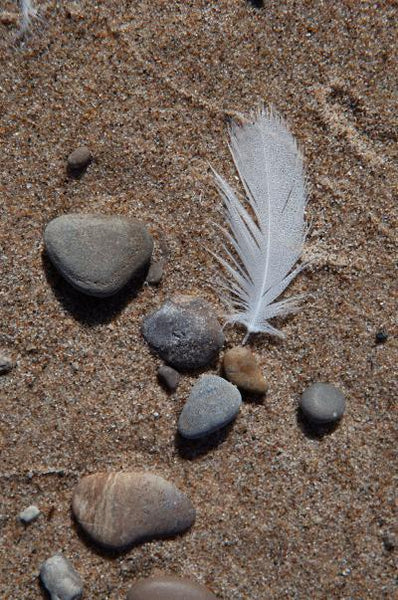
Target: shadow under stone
(312, 430)
(193, 449)
(75, 174)
(42, 590)
(90, 310)
(253, 398)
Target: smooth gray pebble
(322, 403)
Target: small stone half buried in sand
(241, 368)
(168, 588)
(98, 254)
(169, 377)
(60, 579)
(120, 509)
(79, 159)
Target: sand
(148, 86)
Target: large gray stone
(119, 509)
(212, 404)
(60, 579)
(98, 254)
(184, 332)
(168, 588)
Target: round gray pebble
(184, 332)
(212, 404)
(322, 403)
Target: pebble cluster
(99, 255)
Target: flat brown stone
(168, 588)
(241, 368)
(119, 509)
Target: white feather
(267, 233)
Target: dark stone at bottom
(168, 588)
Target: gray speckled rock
(184, 332)
(168, 588)
(60, 579)
(119, 509)
(322, 403)
(98, 254)
(212, 404)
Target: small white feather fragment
(265, 234)
(28, 12)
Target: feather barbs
(265, 235)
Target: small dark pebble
(79, 159)
(6, 364)
(257, 3)
(155, 273)
(381, 337)
(389, 542)
(169, 377)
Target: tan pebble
(168, 588)
(119, 509)
(241, 368)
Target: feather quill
(265, 235)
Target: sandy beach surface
(149, 87)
